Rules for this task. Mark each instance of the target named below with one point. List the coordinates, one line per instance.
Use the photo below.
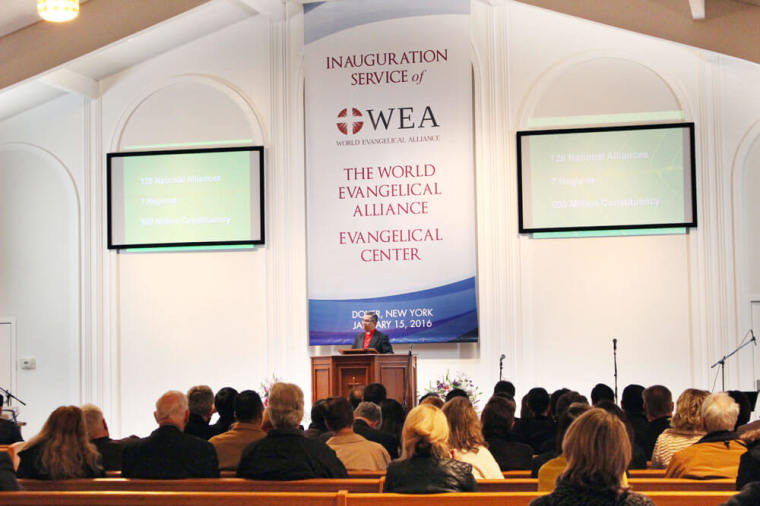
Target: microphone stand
(722, 361)
(8, 397)
(501, 365)
(614, 360)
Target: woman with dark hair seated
(393, 418)
(598, 450)
(61, 450)
(425, 466)
(553, 467)
(497, 419)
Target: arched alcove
(39, 279)
(176, 307)
(580, 293)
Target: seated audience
(632, 404)
(8, 479)
(61, 450)
(497, 419)
(566, 399)
(393, 418)
(367, 419)
(285, 454)
(538, 429)
(456, 392)
(598, 450)
(9, 430)
(553, 403)
(355, 396)
(506, 387)
(375, 392)
(355, 451)
(200, 401)
(425, 466)
(97, 432)
(717, 454)
(549, 468)
(601, 392)
(170, 453)
(466, 439)
(686, 428)
(749, 463)
(638, 459)
(744, 408)
(317, 426)
(224, 404)
(433, 399)
(246, 429)
(658, 407)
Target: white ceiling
(82, 74)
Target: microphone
(614, 343)
(502, 357)
(501, 365)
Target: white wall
(154, 321)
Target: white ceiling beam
(697, 9)
(272, 9)
(72, 82)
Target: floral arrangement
(447, 383)
(266, 387)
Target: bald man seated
(168, 452)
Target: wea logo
(400, 118)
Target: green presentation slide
(606, 178)
(185, 198)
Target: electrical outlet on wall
(27, 363)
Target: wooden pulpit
(335, 376)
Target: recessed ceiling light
(58, 11)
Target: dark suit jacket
(388, 441)
(111, 450)
(9, 432)
(285, 454)
(379, 341)
(199, 427)
(169, 453)
(7, 474)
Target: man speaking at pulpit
(371, 337)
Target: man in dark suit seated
(97, 431)
(539, 429)
(9, 431)
(200, 400)
(371, 337)
(168, 452)
(367, 418)
(285, 453)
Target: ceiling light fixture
(58, 11)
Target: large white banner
(389, 170)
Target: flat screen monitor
(192, 197)
(606, 178)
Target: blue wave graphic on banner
(445, 313)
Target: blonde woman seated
(598, 451)
(466, 439)
(686, 428)
(425, 466)
(61, 450)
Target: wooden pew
(646, 473)
(520, 499)
(204, 485)
(173, 498)
(341, 498)
(643, 485)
